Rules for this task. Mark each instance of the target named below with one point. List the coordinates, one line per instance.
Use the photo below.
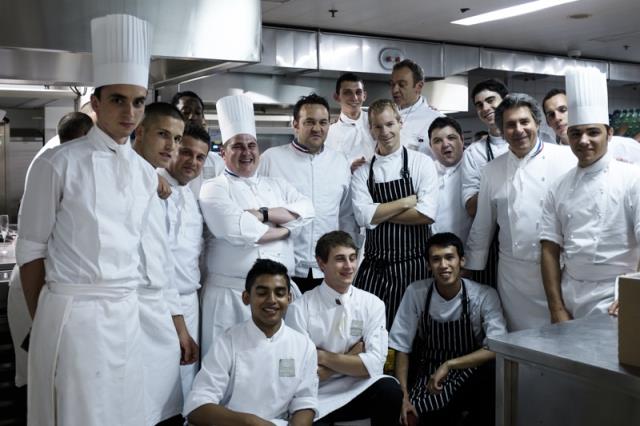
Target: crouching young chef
(261, 372)
(439, 333)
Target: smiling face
(157, 141)
(556, 113)
(351, 97)
(447, 146)
(312, 126)
(241, 155)
(589, 142)
(192, 110)
(445, 263)
(119, 109)
(385, 129)
(188, 163)
(340, 267)
(268, 298)
(486, 103)
(520, 130)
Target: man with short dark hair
(347, 326)
(440, 332)
(511, 191)
(191, 106)
(73, 125)
(407, 81)
(262, 372)
(350, 134)
(320, 173)
(445, 139)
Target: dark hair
(479, 135)
(265, 267)
(550, 94)
(309, 100)
(186, 94)
(416, 70)
(517, 100)
(493, 85)
(442, 122)
(74, 125)
(331, 240)
(197, 132)
(97, 92)
(349, 76)
(160, 109)
(445, 239)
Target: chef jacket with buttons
(185, 225)
(473, 161)
(270, 377)
(213, 166)
(416, 120)
(592, 213)
(387, 168)
(232, 248)
(452, 215)
(511, 195)
(325, 179)
(351, 137)
(484, 305)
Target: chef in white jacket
(320, 173)
(262, 372)
(407, 81)
(80, 230)
(556, 112)
(185, 231)
(512, 189)
(350, 134)
(591, 215)
(248, 216)
(161, 310)
(445, 139)
(347, 326)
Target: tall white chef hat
(121, 46)
(587, 96)
(235, 116)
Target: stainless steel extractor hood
(48, 41)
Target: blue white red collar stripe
(299, 147)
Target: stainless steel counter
(565, 374)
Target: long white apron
(85, 358)
(522, 293)
(19, 324)
(191, 312)
(583, 298)
(161, 350)
(221, 308)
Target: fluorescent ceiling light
(509, 12)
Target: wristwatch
(265, 214)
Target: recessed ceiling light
(510, 12)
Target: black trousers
(307, 283)
(381, 402)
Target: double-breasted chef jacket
(452, 215)
(416, 120)
(213, 166)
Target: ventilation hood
(49, 41)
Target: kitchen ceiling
(610, 30)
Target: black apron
(394, 254)
(435, 343)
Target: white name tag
(287, 368)
(356, 327)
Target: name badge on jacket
(287, 368)
(356, 327)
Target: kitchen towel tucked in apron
(394, 254)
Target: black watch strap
(265, 214)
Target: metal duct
(532, 63)
(46, 41)
(285, 51)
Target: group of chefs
(117, 237)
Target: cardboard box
(629, 320)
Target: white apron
(19, 325)
(191, 312)
(161, 350)
(86, 347)
(522, 293)
(582, 298)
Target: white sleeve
(225, 219)
(347, 220)
(471, 175)
(296, 317)
(376, 339)
(405, 324)
(363, 206)
(483, 228)
(551, 227)
(212, 381)
(306, 396)
(426, 182)
(37, 216)
(296, 203)
(493, 322)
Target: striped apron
(394, 254)
(435, 343)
